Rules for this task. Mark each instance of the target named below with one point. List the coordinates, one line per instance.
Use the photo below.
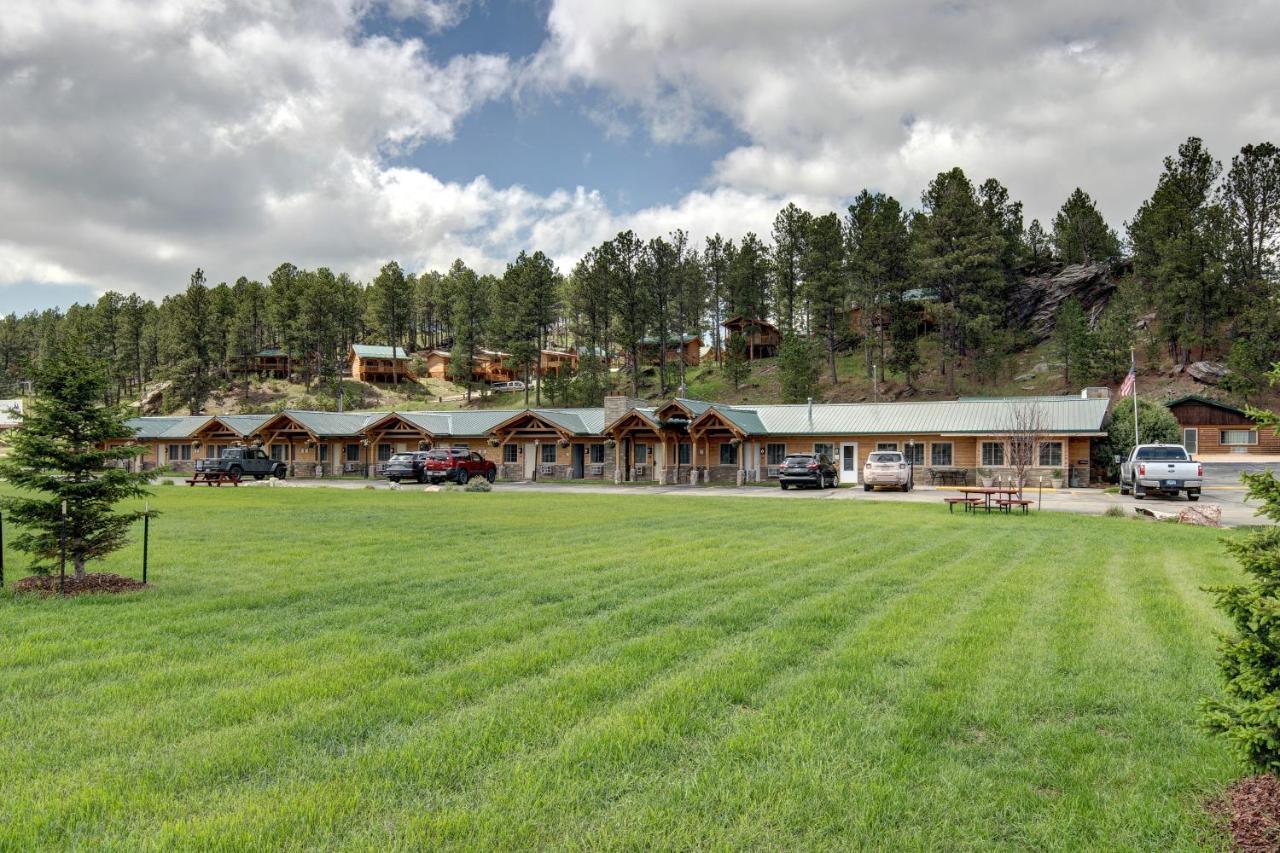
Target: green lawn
(318, 667)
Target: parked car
(1161, 469)
(458, 465)
(808, 469)
(407, 466)
(513, 385)
(241, 461)
(887, 468)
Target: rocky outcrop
(1035, 300)
(1207, 372)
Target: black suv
(407, 466)
(808, 469)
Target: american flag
(1126, 388)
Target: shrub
(479, 484)
(1249, 660)
(1115, 512)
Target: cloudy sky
(140, 139)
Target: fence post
(1, 550)
(62, 567)
(146, 536)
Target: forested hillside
(956, 294)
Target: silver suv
(887, 468)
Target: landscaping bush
(1249, 660)
(479, 484)
(1115, 512)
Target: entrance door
(530, 459)
(849, 464)
(579, 454)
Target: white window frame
(1194, 446)
(830, 449)
(510, 450)
(886, 445)
(1251, 437)
(951, 453)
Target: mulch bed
(94, 582)
(1251, 809)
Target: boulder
(1035, 299)
(1207, 372)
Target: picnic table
(988, 492)
(213, 478)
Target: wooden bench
(213, 478)
(969, 503)
(1007, 504)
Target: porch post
(617, 460)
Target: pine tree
(790, 231)
(57, 452)
(1249, 658)
(736, 365)
(797, 368)
(1072, 340)
(1080, 233)
(186, 345)
(1039, 247)
(469, 311)
(825, 282)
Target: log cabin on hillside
(1211, 427)
(761, 337)
(380, 364)
(687, 347)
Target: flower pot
(987, 481)
(1056, 482)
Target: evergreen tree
(1080, 233)
(1072, 340)
(797, 368)
(715, 265)
(1039, 247)
(56, 455)
(879, 244)
(691, 294)
(747, 279)
(1251, 201)
(825, 282)
(790, 230)
(1249, 658)
(630, 298)
(186, 346)
(469, 309)
(736, 365)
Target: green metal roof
(167, 427)
(1207, 401)
(459, 423)
(973, 416)
(372, 351)
(244, 424)
(333, 424)
(576, 421)
(652, 340)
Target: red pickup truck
(457, 465)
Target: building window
(914, 453)
(510, 453)
(1191, 439)
(728, 454)
(1050, 454)
(384, 452)
(324, 453)
(827, 450)
(597, 454)
(353, 452)
(548, 454)
(940, 453)
(278, 452)
(213, 451)
(684, 453)
(642, 454)
(774, 454)
(1239, 436)
(179, 453)
(992, 454)
(887, 445)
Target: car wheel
(235, 471)
(907, 487)
(491, 475)
(280, 472)
(835, 482)
(1124, 489)
(463, 476)
(782, 486)
(420, 478)
(1193, 496)
(866, 487)
(394, 479)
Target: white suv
(887, 468)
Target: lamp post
(911, 463)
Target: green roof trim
(1207, 401)
(373, 351)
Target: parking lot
(1222, 487)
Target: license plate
(1171, 482)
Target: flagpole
(1133, 366)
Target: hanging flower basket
(196, 444)
(736, 442)
(493, 441)
(610, 443)
(309, 443)
(424, 445)
(564, 442)
(364, 442)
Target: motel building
(679, 441)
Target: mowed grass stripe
(438, 764)
(619, 672)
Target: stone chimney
(617, 405)
(1096, 392)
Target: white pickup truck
(1160, 469)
